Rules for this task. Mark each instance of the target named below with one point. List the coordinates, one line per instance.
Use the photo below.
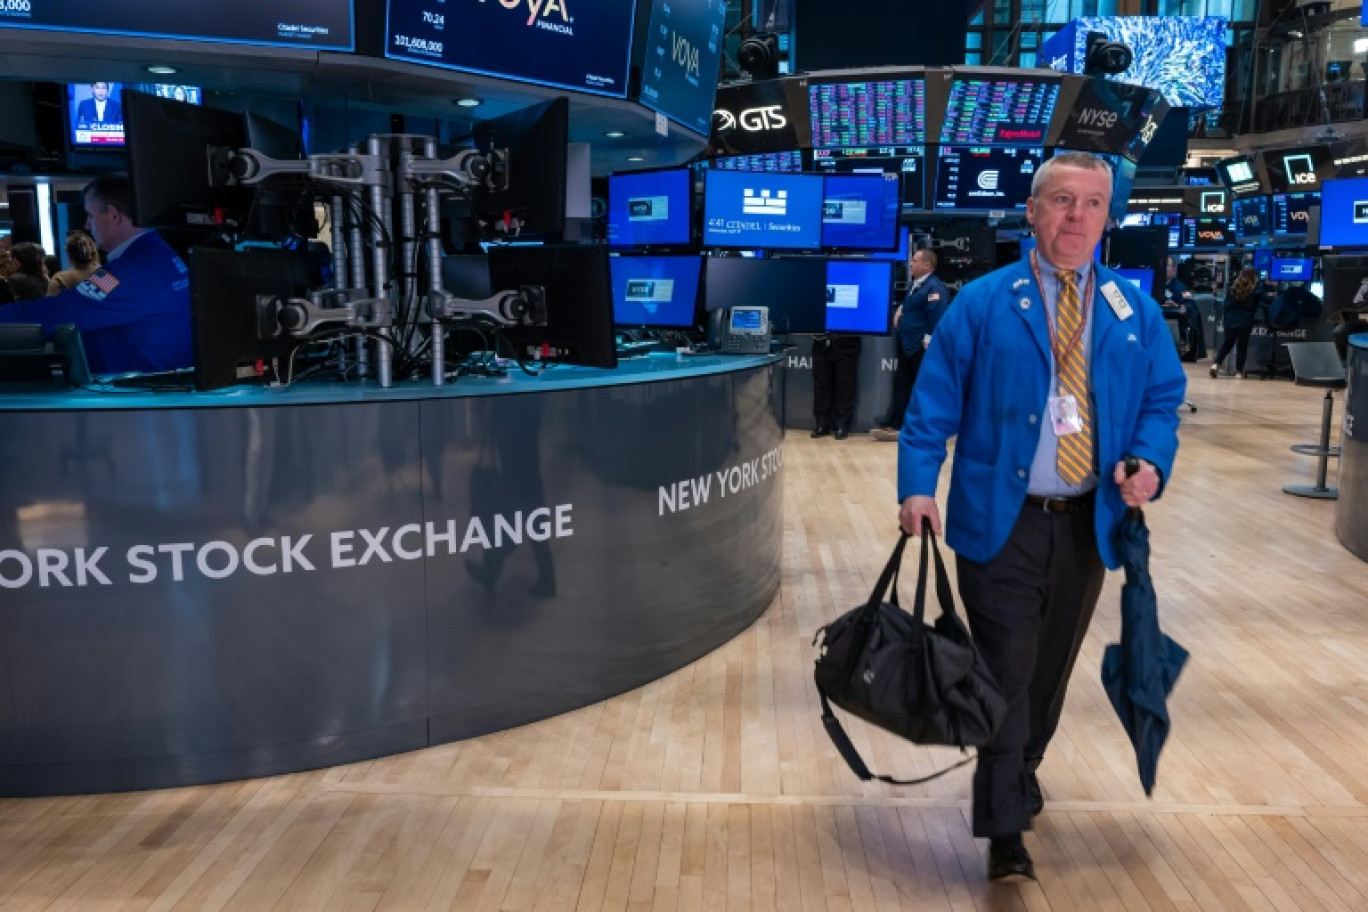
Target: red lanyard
(1062, 356)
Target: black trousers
(835, 360)
(903, 380)
(1237, 339)
(1028, 608)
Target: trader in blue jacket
(133, 314)
(1049, 372)
(927, 298)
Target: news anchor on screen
(99, 108)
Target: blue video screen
(1291, 269)
(1291, 212)
(861, 211)
(649, 208)
(95, 109)
(1251, 217)
(858, 296)
(683, 60)
(1142, 279)
(755, 209)
(540, 42)
(1262, 260)
(657, 291)
(1183, 57)
(1344, 213)
(985, 177)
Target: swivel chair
(1317, 364)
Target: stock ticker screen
(999, 111)
(875, 113)
(986, 177)
(791, 160)
(1292, 212)
(909, 162)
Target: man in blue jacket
(1181, 307)
(1049, 372)
(133, 314)
(922, 308)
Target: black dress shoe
(1034, 794)
(820, 430)
(842, 433)
(1009, 862)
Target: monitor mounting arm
(346, 169)
(464, 171)
(525, 306)
(301, 317)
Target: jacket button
(1032, 419)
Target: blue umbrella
(1139, 672)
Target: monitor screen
(858, 295)
(999, 111)
(757, 210)
(1251, 217)
(95, 110)
(1135, 220)
(1344, 213)
(1240, 175)
(1291, 212)
(1173, 222)
(581, 46)
(909, 162)
(1299, 168)
(1262, 260)
(897, 256)
(861, 211)
(789, 161)
(658, 291)
(1291, 269)
(683, 60)
(1208, 232)
(793, 290)
(889, 112)
(1142, 279)
(579, 302)
(313, 24)
(1184, 57)
(649, 208)
(985, 177)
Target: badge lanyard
(1062, 356)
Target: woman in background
(30, 280)
(84, 259)
(1241, 306)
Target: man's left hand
(1140, 488)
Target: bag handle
(852, 757)
(889, 574)
(944, 594)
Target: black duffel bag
(926, 683)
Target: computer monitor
(1142, 279)
(650, 208)
(1297, 169)
(225, 328)
(858, 295)
(1344, 213)
(1291, 213)
(793, 289)
(579, 302)
(750, 209)
(908, 162)
(535, 138)
(1251, 217)
(1262, 260)
(989, 178)
(1291, 269)
(656, 291)
(1241, 175)
(861, 211)
(1135, 220)
(178, 163)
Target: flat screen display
(1240, 175)
(1142, 279)
(1291, 269)
(1135, 220)
(860, 211)
(787, 162)
(1344, 213)
(999, 111)
(858, 293)
(793, 290)
(1173, 222)
(1262, 260)
(95, 110)
(683, 59)
(985, 177)
(581, 46)
(1298, 169)
(315, 24)
(649, 208)
(1251, 217)
(1291, 212)
(1207, 201)
(655, 291)
(890, 112)
(1184, 57)
(759, 210)
(908, 162)
(1207, 232)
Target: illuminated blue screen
(1344, 213)
(1183, 57)
(1290, 269)
(1140, 278)
(649, 208)
(860, 211)
(761, 209)
(857, 296)
(655, 291)
(682, 61)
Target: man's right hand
(914, 510)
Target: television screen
(541, 42)
(1208, 232)
(1344, 213)
(1262, 260)
(1240, 175)
(535, 139)
(655, 291)
(999, 111)
(1174, 223)
(1135, 220)
(313, 24)
(1142, 279)
(1291, 269)
(1183, 57)
(858, 296)
(909, 162)
(985, 177)
(683, 60)
(896, 256)
(890, 112)
(794, 290)
(860, 211)
(1251, 217)
(579, 302)
(789, 161)
(647, 208)
(1297, 169)
(95, 110)
(755, 210)
(1291, 212)
(1206, 202)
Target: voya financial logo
(539, 14)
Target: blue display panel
(1291, 269)
(655, 291)
(315, 24)
(753, 209)
(993, 111)
(683, 59)
(909, 162)
(533, 40)
(790, 161)
(858, 295)
(94, 126)
(985, 177)
(1344, 213)
(1262, 260)
(1291, 212)
(647, 208)
(1251, 217)
(1142, 279)
(889, 112)
(1184, 57)
(860, 211)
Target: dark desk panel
(1351, 509)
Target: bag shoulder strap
(856, 763)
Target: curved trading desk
(210, 586)
(1351, 509)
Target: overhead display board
(683, 60)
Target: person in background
(1237, 318)
(134, 314)
(99, 108)
(835, 363)
(178, 94)
(52, 263)
(84, 258)
(1179, 299)
(1049, 372)
(30, 280)
(914, 322)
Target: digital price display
(683, 60)
(760, 161)
(986, 177)
(999, 111)
(907, 161)
(877, 113)
(1251, 217)
(1292, 212)
(537, 41)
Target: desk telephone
(739, 330)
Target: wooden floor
(716, 788)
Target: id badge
(1064, 415)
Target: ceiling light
(160, 69)
(614, 134)
(636, 158)
(469, 102)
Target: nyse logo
(1360, 212)
(1097, 117)
(988, 180)
(544, 8)
(684, 54)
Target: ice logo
(988, 180)
(764, 202)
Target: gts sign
(543, 8)
(752, 120)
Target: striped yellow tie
(1075, 457)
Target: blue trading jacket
(134, 315)
(986, 379)
(921, 312)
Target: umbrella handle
(1132, 465)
